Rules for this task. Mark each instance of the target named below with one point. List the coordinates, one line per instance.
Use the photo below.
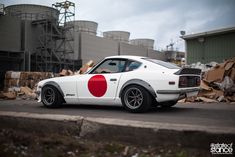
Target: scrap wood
(90, 63)
(12, 75)
(232, 74)
(86, 67)
(64, 72)
(191, 99)
(226, 84)
(218, 84)
(70, 73)
(211, 94)
(223, 99)
(20, 84)
(208, 94)
(10, 95)
(218, 93)
(27, 93)
(206, 99)
(83, 69)
(1, 95)
(182, 100)
(26, 90)
(205, 86)
(229, 65)
(231, 98)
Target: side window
(110, 66)
(132, 65)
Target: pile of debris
(23, 85)
(85, 68)
(218, 82)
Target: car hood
(54, 79)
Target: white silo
(89, 27)
(32, 12)
(148, 43)
(121, 36)
(37, 36)
(77, 28)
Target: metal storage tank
(121, 36)
(32, 12)
(89, 27)
(1, 9)
(148, 43)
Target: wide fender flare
(54, 84)
(139, 82)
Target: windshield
(162, 63)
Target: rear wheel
(51, 97)
(136, 99)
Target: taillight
(183, 81)
(198, 81)
(189, 81)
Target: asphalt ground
(200, 114)
(187, 129)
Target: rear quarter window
(162, 63)
(132, 65)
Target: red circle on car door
(97, 85)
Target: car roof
(138, 58)
(127, 57)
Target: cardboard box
(232, 74)
(215, 75)
(12, 75)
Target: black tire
(136, 99)
(168, 104)
(51, 98)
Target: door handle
(113, 79)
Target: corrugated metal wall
(213, 48)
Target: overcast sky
(161, 20)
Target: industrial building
(42, 38)
(215, 45)
(174, 56)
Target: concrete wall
(156, 55)
(31, 36)
(30, 40)
(89, 47)
(10, 34)
(96, 48)
(127, 49)
(18, 35)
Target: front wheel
(136, 99)
(51, 98)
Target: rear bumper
(181, 91)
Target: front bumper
(38, 93)
(181, 91)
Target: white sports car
(136, 83)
